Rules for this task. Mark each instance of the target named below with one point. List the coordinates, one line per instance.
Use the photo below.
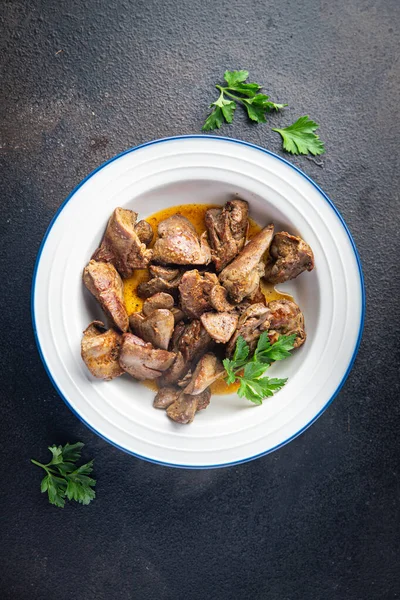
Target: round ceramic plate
(200, 169)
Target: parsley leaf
(238, 360)
(269, 105)
(72, 452)
(239, 91)
(254, 370)
(229, 366)
(64, 479)
(214, 120)
(299, 138)
(57, 455)
(250, 390)
(250, 372)
(56, 487)
(224, 109)
(232, 78)
(247, 89)
(269, 353)
(255, 113)
(258, 389)
(263, 101)
(241, 351)
(228, 108)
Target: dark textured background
(318, 519)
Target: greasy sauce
(195, 214)
(221, 387)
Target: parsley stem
(38, 464)
(45, 467)
(224, 90)
(221, 95)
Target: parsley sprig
(250, 372)
(299, 138)
(246, 94)
(64, 479)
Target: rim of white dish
(325, 198)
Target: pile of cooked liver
(203, 293)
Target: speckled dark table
(318, 519)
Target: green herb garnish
(299, 138)
(250, 372)
(246, 94)
(64, 479)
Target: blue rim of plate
(324, 196)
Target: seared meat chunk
(227, 230)
(286, 319)
(144, 231)
(252, 322)
(179, 243)
(167, 273)
(221, 326)
(180, 366)
(195, 291)
(241, 277)
(160, 300)
(175, 371)
(170, 395)
(166, 396)
(176, 336)
(289, 256)
(182, 383)
(203, 399)
(183, 409)
(179, 315)
(219, 299)
(189, 342)
(103, 281)
(141, 360)
(100, 351)
(208, 370)
(156, 328)
(121, 245)
(163, 280)
(257, 297)
(194, 341)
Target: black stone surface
(319, 519)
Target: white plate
(201, 169)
